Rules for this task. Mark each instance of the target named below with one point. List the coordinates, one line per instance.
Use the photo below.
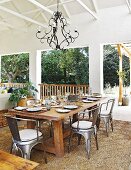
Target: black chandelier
(57, 26)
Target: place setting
(29, 109)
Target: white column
(96, 68)
(35, 69)
(0, 68)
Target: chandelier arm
(51, 35)
(50, 41)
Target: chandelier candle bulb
(39, 29)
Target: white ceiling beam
(21, 16)
(128, 2)
(45, 18)
(40, 6)
(65, 8)
(6, 24)
(95, 5)
(61, 3)
(87, 9)
(10, 26)
(4, 1)
(31, 11)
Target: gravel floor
(114, 151)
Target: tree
(67, 66)
(15, 68)
(111, 66)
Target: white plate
(87, 101)
(71, 107)
(34, 109)
(97, 96)
(20, 108)
(92, 98)
(63, 110)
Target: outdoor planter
(125, 101)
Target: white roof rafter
(61, 3)
(65, 8)
(95, 5)
(4, 1)
(128, 2)
(87, 9)
(40, 6)
(21, 16)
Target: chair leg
(79, 139)
(95, 135)
(11, 148)
(45, 157)
(51, 129)
(98, 122)
(111, 124)
(70, 137)
(26, 156)
(26, 151)
(107, 129)
(88, 146)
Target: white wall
(113, 25)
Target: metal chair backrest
(93, 115)
(12, 122)
(110, 105)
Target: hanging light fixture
(57, 27)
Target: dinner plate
(34, 109)
(87, 101)
(20, 108)
(71, 107)
(92, 98)
(97, 96)
(62, 110)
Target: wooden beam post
(120, 79)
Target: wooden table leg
(58, 138)
(31, 125)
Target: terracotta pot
(125, 101)
(22, 102)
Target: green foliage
(17, 94)
(15, 68)
(111, 65)
(27, 90)
(68, 66)
(122, 75)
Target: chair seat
(82, 125)
(29, 134)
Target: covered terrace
(99, 22)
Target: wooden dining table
(55, 145)
(12, 162)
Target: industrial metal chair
(106, 114)
(85, 128)
(33, 102)
(25, 139)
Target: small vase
(22, 102)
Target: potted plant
(125, 98)
(19, 96)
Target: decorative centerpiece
(19, 96)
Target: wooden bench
(12, 162)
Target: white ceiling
(24, 14)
